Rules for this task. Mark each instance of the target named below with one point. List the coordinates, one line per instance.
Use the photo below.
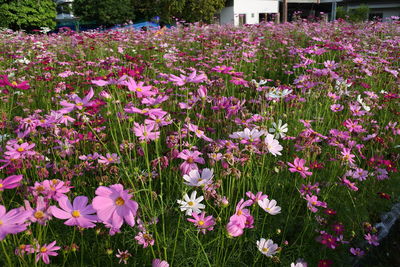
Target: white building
(239, 12)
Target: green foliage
(359, 14)
(355, 15)
(341, 13)
(187, 10)
(201, 10)
(27, 14)
(106, 12)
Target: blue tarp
(137, 26)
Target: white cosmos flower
(273, 145)
(278, 93)
(195, 179)
(279, 129)
(360, 100)
(267, 247)
(269, 206)
(191, 204)
(248, 134)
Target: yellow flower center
(14, 83)
(39, 214)
(265, 250)
(20, 149)
(76, 214)
(119, 201)
(139, 89)
(201, 223)
(1, 185)
(190, 203)
(79, 104)
(239, 212)
(43, 250)
(190, 160)
(1, 222)
(299, 168)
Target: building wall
(252, 9)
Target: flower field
(265, 145)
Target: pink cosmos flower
(144, 132)
(313, 202)
(349, 184)
(298, 166)
(241, 219)
(78, 214)
(10, 182)
(336, 107)
(12, 222)
(192, 78)
(40, 213)
(159, 263)
(203, 223)
(199, 133)
(17, 151)
(114, 205)
(357, 252)
(55, 188)
(79, 102)
(140, 90)
(255, 198)
(123, 256)
(348, 156)
(190, 158)
(144, 239)
(109, 159)
(45, 251)
(372, 239)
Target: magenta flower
(190, 158)
(203, 223)
(10, 182)
(12, 222)
(78, 214)
(328, 240)
(22, 86)
(298, 166)
(123, 256)
(114, 205)
(45, 251)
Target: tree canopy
(106, 12)
(27, 14)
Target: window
(242, 19)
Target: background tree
(201, 10)
(105, 12)
(27, 14)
